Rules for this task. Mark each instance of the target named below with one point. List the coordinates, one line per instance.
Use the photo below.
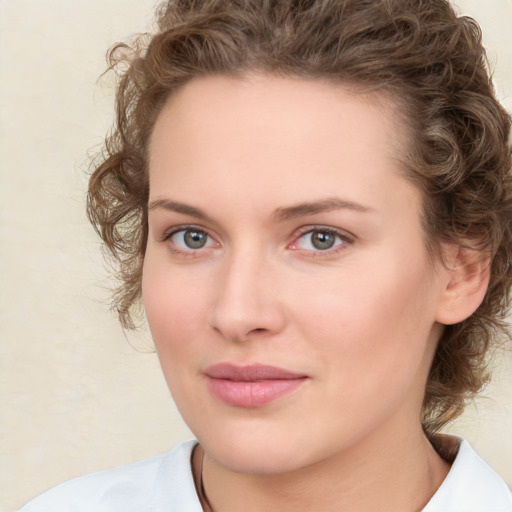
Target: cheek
(369, 321)
(175, 307)
(175, 310)
(371, 342)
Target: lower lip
(251, 395)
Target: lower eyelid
(183, 250)
(343, 238)
(344, 242)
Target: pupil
(195, 239)
(322, 240)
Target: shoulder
(471, 486)
(149, 485)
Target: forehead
(285, 133)
(205, 104)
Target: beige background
(76, 395)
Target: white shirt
(165, 484)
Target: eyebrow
(281, 214)
(175, 206)
(311, 208)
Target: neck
(401, 475)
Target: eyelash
(183, 229)
(344, 239)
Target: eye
(190, 239)
(321, 239)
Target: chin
(255, 448)
(262, 459)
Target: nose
(246, 304)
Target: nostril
(258, 330)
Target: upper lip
(250, 373)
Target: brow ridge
(281, 214)
(311, 208)
(176, 206)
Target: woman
(313, 200)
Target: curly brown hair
(418, 51)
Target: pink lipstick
(251, 386)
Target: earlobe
(467, 273)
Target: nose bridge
(245, 302)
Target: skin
(361, 320)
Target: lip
(251, 386)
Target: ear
(466, 275)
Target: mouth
(251, 386)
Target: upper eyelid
(344, 234)
(185, 227)
(174, 247)
(159, 218)
(347, 241)
(296, 235)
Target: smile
(251, 386)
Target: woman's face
(286, 281)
